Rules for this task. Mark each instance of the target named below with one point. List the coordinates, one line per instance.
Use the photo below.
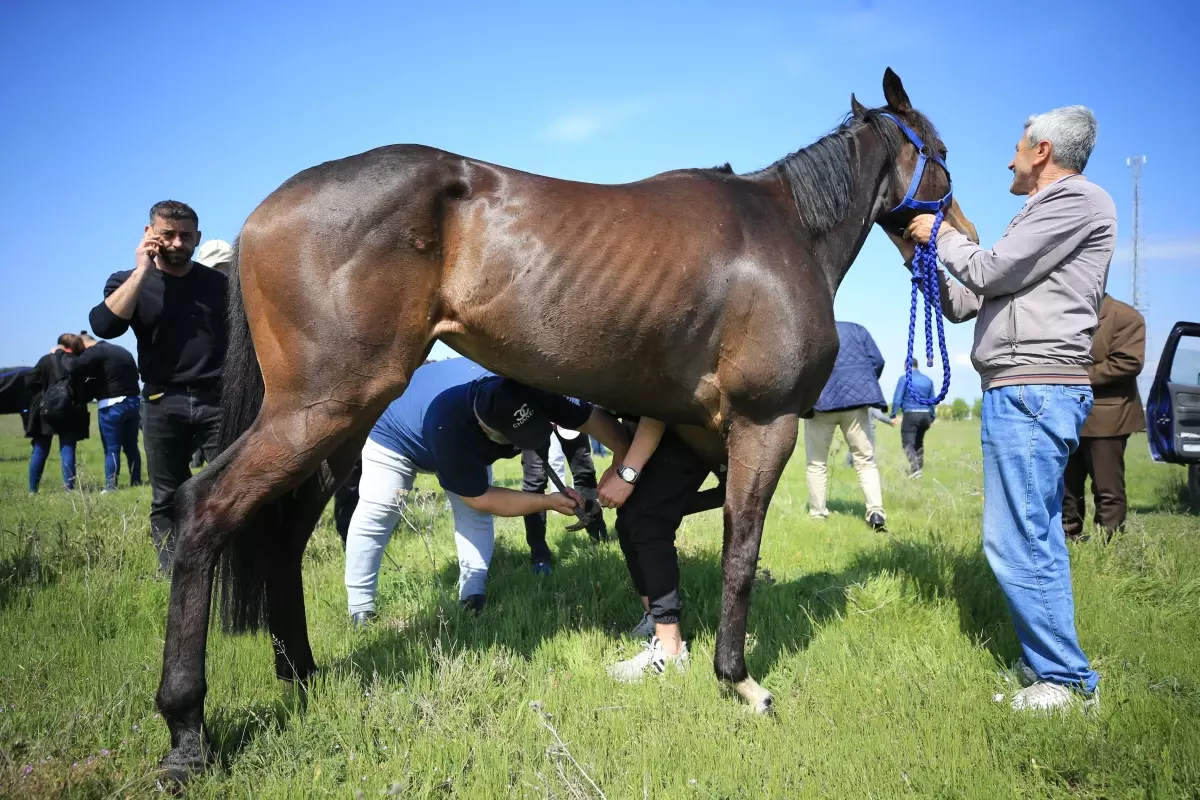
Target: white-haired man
(1036, 295)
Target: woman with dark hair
(57, 407)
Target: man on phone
(177, 312)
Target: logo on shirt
(522, 415)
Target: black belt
(149, 391)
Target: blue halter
(925, 270)
(924, 155)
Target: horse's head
(919, 181)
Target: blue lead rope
(925, 282)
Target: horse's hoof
(302, 678)
(753, 695)
(181, 765)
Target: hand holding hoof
(753, 695)
(589, 514)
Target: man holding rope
(1036, 295)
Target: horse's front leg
(757, 455)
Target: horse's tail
(242, 587)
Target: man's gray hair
(1070, 129)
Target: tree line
(959, 409)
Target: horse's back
(555, 282)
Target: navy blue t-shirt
(433, 423)
(399, 429)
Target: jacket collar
(1043, 192)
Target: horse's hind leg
(285, 588)
(275, 455)
(757, 455)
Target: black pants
(173, 427)
(912, 435)
(647, 523)
(535, 480)
(345, 500)
(1103, 460)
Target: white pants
(558, 459)
(818, 435)
(387, 477)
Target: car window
(1185, 368)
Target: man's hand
(613, 491)
(148, 250)
(895, 419)
(921, 228)
(565, 503)
(123, 301)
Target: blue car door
(1173, 408)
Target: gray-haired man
(1036, 295)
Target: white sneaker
(1046, 696)
(644, 629)
(651, 661)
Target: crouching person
(454, 421)
(653, 486)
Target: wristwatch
(627, 474)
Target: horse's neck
(837, 248)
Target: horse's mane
(822, 176)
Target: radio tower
(1140, 293)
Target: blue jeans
(119, 426)
(1028, 433)
(41, 451)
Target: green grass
(883, 653)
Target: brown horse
(714, 293)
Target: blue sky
(112, 106)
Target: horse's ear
(893, 92)
(856, 108)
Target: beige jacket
(1037, 292)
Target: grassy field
(884, 653)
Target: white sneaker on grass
(644, 629)
(651, 661)
(1046, 696)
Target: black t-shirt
(111, 371)
(179, 324)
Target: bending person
(454, 421)
(653, 486)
